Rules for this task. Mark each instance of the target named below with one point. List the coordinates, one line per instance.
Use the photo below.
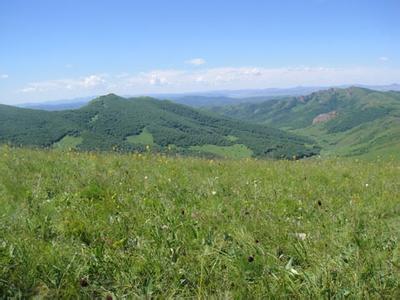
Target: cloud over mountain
(187, 80)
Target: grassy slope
(89, 225)
(68, 142)
(144, 138)
(111, 122)
(368, 122)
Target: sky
(62, 49)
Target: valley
(344, 122)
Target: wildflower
(366, 185)
(294, 272)
(213, 193)
(301, 236)
(145, 177)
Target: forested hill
(139, 124)
(351, 121)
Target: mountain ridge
(113, 122)
(355, 112)
(211, 98)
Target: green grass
(87, 225)
(144, 138)
(68, 142)
(234, 151)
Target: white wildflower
(301, 236)
(294, 272)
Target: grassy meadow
(91, 225)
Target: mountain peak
(109, 96)
(105, 98)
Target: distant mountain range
(146, 124)
(64, 104)
(209, 99)
(350, 121)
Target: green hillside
(145, 124)
(352, 121)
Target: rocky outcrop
(324, 117)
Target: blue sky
(57, 49)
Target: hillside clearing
(68, 142)
(144, 138)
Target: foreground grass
(93, 225)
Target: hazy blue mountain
(58, 104)
(210, 98)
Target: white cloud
(156, 78)
(90, 82)
(253, 77)
(4, 76)
(196, 61)
(384, 58)
(175, 81)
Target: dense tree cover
(106, 122)
(299, 112)
(350, 121)
(30, 127)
